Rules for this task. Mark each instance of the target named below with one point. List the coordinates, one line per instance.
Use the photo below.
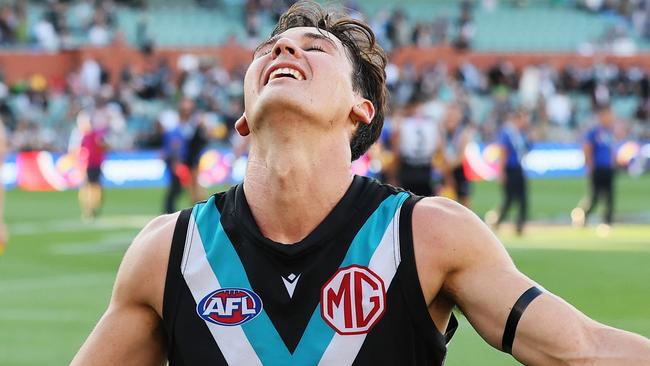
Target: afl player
(600, 163)
(305, 264)
(415, 140)
(457, 136)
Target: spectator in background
(82, 12)
(423, 35)
(8, 25)
(397, 29)
(439, 29)
(99, 33)
(466, 28)
(560, 110)
(90, 77)
(6, 113)
(515, 144)
(21, 27)
(55, 14)
(599, 150)
(46, 35)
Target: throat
(289, 194)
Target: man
(457, 136)
(600, 167)
(305, 264)
(92, 153)
(515, 143)
(183, 143)
(415, 141)
(196, 141)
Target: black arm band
(515, 314)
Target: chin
(283, 103)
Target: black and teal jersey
(348, 293)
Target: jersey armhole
(411, 287)
(173, 285)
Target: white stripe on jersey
(200, 279)
(343, 349)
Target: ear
(363, 112)
(242, 126)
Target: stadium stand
(46, 107)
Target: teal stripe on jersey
(318, 334)
(230, 272)
(368, 238)
(260, 331)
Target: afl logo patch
(353, 300)
(230, 306)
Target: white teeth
(286, 71)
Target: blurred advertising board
(553, 160)
(47, 171)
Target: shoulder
(444, 223)
(448, 237)
(155, 233)
(141, 277)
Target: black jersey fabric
(348, 293)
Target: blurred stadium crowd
(42, 114)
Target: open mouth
(285, 72)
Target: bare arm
(479, 276)
(130, 331)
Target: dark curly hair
(367, 57)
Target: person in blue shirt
(515, 143)
(174, 150)
(600, 167)
(182, 145)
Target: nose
(285, 45)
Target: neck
(292, 182)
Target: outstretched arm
(130, 331)
(482, 280)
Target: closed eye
(315, 48)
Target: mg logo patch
(353, 300)
(230, 306)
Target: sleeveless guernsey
(346, 294)
(419, 139)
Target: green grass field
(57, 273)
